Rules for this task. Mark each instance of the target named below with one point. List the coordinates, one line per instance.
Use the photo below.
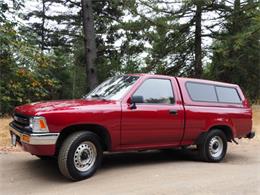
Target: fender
(222, 122)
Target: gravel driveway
(153, 172)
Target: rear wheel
(80, 155)
(213, 147)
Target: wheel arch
(226, 129)
(99, 130)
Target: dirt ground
(151, 172)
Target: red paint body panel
(152, 124)
(201, 116)
(41, 150)
(148, 126)
(62, 114)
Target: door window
(156, 91)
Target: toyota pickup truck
(134, 112)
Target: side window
(156, 91)
(228, 95)
(201, 92)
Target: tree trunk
(198, 51)
(43, 26)
(236, 28)
(236, 17)
(89, 43)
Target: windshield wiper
(96, 95)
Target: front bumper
(35, 138)
(35, 143)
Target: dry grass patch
(4, 131)
(5, 140)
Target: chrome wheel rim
(85, 156)
(216, 146)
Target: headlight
(38, 124)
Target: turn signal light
(26, 138)
(42, 124)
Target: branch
(73, 3)
(179, 13)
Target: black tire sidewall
(74, 172)
(210, 135)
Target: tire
(213, 146)
(80, 155)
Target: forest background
(61, 49)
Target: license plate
(13, 139)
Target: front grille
(21, 122)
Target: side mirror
(136, 99)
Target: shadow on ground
(48, 169)
(147, 157)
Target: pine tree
(176, 45)
(107, 16)
(236, 56)
(89, 43)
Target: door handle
(173, 112)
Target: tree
(106, 61)
(236, 56)
(26, 73)
(176, 44)
(197, 41)
(89, 43)
(54, 32)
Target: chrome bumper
(35, 138)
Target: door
(157, 120)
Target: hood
(38, 108)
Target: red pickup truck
(134, 112)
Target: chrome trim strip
(37, 138)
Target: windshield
(114, 88)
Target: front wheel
(80, 155)
(213, 147)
